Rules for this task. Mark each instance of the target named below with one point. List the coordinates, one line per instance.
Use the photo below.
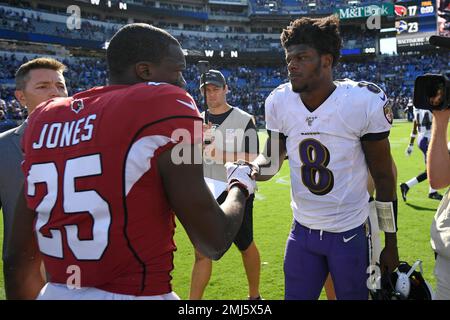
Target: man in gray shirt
(235, 138)
(36, 81)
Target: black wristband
(395, 206)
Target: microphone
(440, 41)
(203, 67)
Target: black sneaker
(435, 195)
(404, 189)
(256, 298)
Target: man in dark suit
(36, 81)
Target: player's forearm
(233, 208)
(234, 156)
(385, 183)
(387, 213)
(389, 259)
(23, 283)
(271, 160)
(413, 134)
(268, 167)
(390, 239)
(386, 192)
(385, 186)
(414, 130)
(438, 161)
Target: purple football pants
(311, 254)
(423, 146)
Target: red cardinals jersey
(92, 177)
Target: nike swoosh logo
(187, 104)
(348, 239)
(383, 98)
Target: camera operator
(432, 92)
(438, 166)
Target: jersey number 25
(74, 202)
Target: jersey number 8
(315, 174)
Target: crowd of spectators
(236, 42)
(12, 114)
(89, 30)
(13, 20)
(319, 5)
(248, 86)
(80, 75)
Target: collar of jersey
(331, 97)
(98, 90)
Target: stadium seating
(249, 83)
(249, 86)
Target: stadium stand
(42, 29)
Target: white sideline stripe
(138, 160)
(282, 180)
(259, 197)
(398, 144)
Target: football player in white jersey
(332, 132)
(421, 127)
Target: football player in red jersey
(105, 171)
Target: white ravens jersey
(327, 163)
(423, 119)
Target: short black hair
(137, 42)
(321, 34)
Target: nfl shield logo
(77, 105)
(310, 120)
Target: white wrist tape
(386, 216)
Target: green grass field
(272, 220)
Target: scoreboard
(415, 22)
(415, 8)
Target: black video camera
(432, 91)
